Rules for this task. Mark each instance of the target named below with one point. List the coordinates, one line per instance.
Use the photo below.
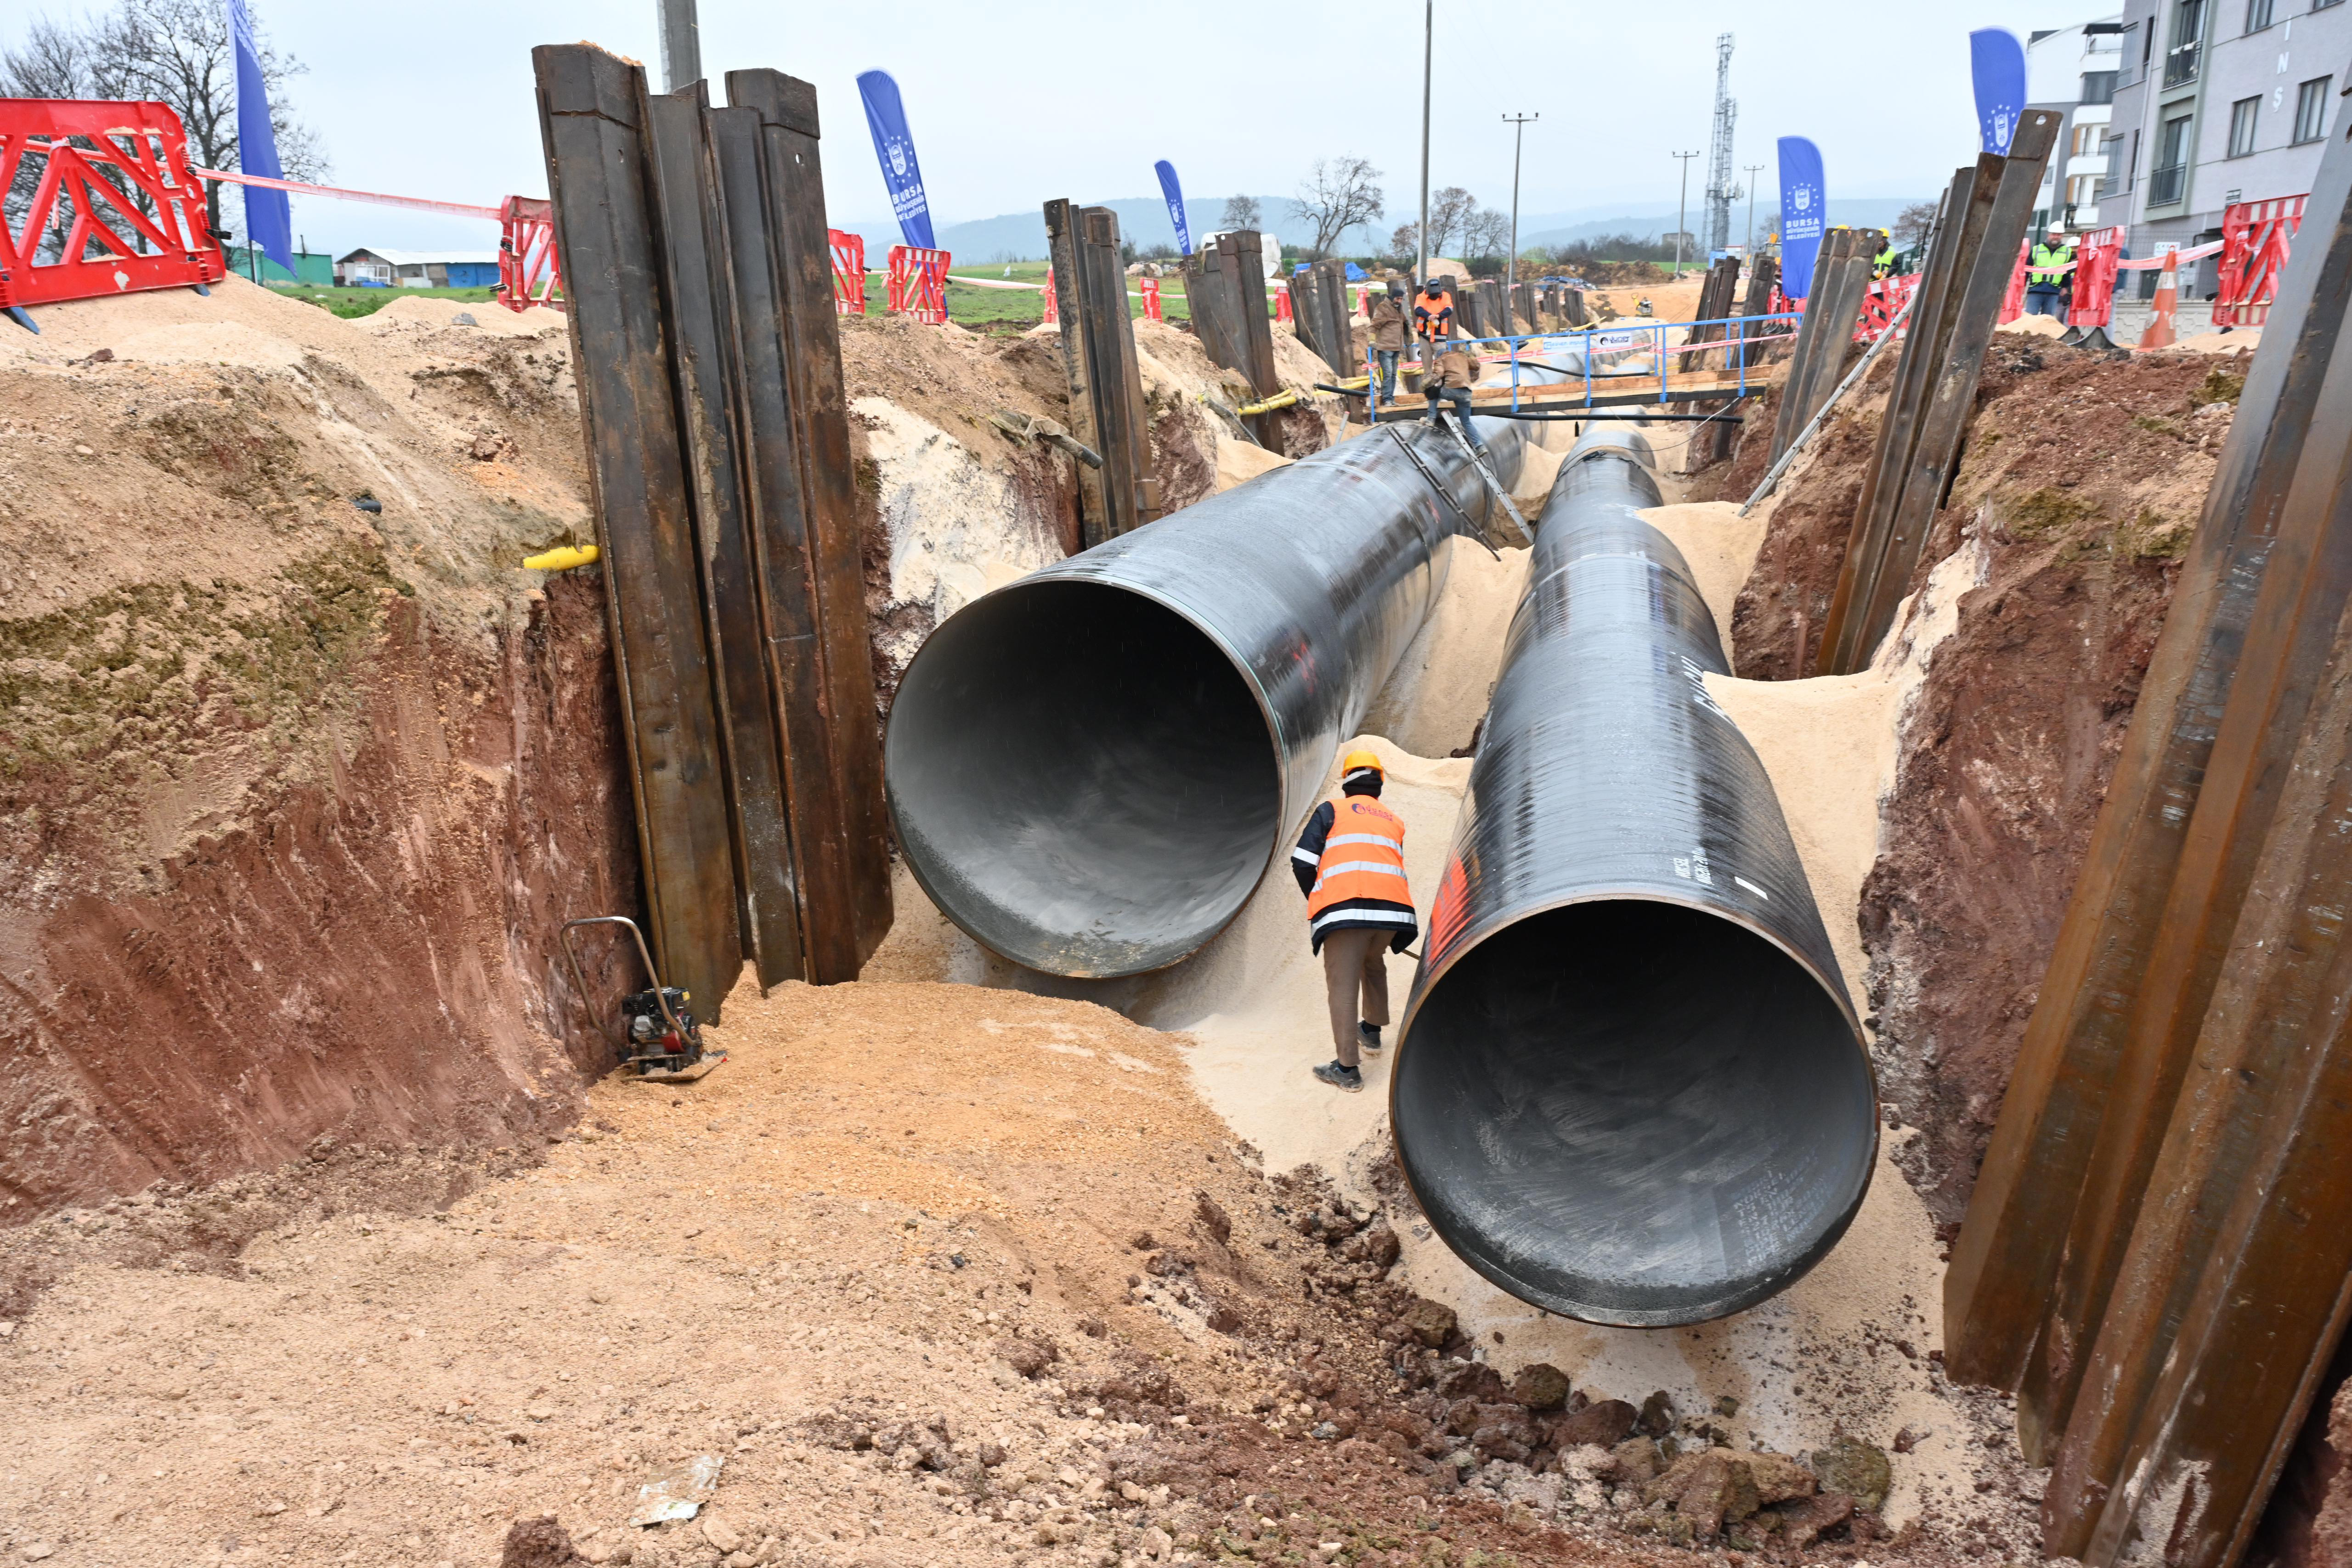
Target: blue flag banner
(269, 217)
(1174, 193)
(1803, 205)
(1997, 68)
(886, 118)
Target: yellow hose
(1282, 399)
(563, 557)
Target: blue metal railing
(1618, 341)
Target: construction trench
(332, 1236)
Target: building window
(2242, 125)
(2323, 4)
(2082, 191)
(2311, 109)
(2169, 179)
(2258, 14)
(2186, 49)
(2085, 142)
(2098, 86)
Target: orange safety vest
(1363, 858)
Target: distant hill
(1857, 212)
(1020, 236)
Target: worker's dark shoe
(1339, 1075)
(1370, 1033)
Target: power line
(1682, 211)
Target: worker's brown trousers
(1355, 964)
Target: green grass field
(1014, 309)
(355, 302)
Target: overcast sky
(1017, 102)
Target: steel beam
(592, 116)
(2156, 1249)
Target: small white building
(2072, 71)
(418, 269)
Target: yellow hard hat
(1357, 762)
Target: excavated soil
(2080, 484)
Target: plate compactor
(658, 1042)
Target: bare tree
(1912, 224)
(1336, 197)
(1241, 212)
(1486, 235)
(1449, 216)
(177, 51)
(1405, 243)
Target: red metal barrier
(1053, 305)
(528, 271)
(2255, 238)
(2095, 278)
(1880, 302)
(1151, 300)
(1282, 301)
(918, 283)
(848, 273)
(114, 206)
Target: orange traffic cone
(2159, 333)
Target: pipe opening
(1632, 1111)
(1082, 779)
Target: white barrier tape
(2199, 254)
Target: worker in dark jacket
(1449, 380)
(1385, 311)
(1351, 865)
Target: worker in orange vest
(1351, 865)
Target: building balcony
(2166, 185)
(2180, 63)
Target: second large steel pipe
(1630, 1087)
(1090, 769)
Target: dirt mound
(2081, 485)
(923, 1274)
(296, 788)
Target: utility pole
(1519, 124)
(1753, 170)
(1682, 211)
(1428, 45)
(681, 44)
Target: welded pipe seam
(1630, 1086)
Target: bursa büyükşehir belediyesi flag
(1174, 194)
(269, 217)
(1803, 202)
(894, 147)
(1996, 68)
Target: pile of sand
(2236, 340)
(433, 313)
(2040, 325)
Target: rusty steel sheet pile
(1631, 1086)
(1089, 769)
(2156, 1254)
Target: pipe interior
(1082, 779)
(1632, 1111)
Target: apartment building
(2217, 101)
(2071, 71)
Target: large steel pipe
(1630, 1087)
(1090, 769)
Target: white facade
(2072, 70)
(2219, 101)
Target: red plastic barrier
(848, 273)
(1282, 301)
(1053, 305)
(918, 283)
(133, 211)
(2095, 278)
(2013, 304)
(1880, 302)
(529, 274)
(1151, 300)
(2256, 239)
